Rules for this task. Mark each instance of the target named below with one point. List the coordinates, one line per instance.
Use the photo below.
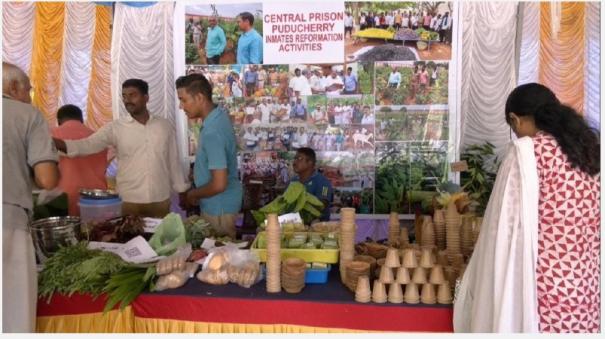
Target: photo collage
(378, 121)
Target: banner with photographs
(373, 102)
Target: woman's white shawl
(498, 290)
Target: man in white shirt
(334, 84)
(302, 138)
(368, 116)
(319, 116)
(250, 110)
(390, 19)
(315, 83)
(338, 114)
(446, 24)
(149, 166)
(348, 24)
(394, 78)
(286, 108)
(265, 112)
(405, 20)
(251, 139)
(299, 85)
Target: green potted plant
(480, 177)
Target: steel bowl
(50, 234)
(98, 194)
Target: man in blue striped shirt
(215, 42)
(250, 43)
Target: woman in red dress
(536, 264)
(567, 156)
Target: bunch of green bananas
(295, 199)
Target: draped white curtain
(488, 71)
(77, 50)
(592, 71)
(17, 33)
(530, 43)
(181, 122)
(142, 47)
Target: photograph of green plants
(408, 174)
(394, 123)
(411, 83)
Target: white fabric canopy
(530, 43)
(488, 71)
(142, 47)
(498, 292)
(76, 63)
(17, 33)
(592, 74)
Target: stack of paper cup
(404, 238)
(428, 294)
(466, 236)
(394, 228)
(444, 293)
(452, 225)
(439, 222)
(362, 290)
(411, 294)
(428, 232)
(395, 293)
(273, 232)
(347, 240)
(379, 293)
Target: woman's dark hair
(577, 140)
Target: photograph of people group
(398, 31)
(411, 83)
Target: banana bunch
(295, 199)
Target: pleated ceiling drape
(64, 47)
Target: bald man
(28, 156)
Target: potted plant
(480, 177)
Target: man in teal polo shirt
(218, 190)
(250, 43)
(315, 182)
(215, 42)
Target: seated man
(315, 182)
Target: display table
(198, 307)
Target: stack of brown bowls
(293, 275)
(354, 270)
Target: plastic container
(312, 275)
(317, 275)
(99, 209)
(327, 256)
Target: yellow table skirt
(125, 322)
(148, 325)
(112, 322)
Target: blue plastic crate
(317, 275)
